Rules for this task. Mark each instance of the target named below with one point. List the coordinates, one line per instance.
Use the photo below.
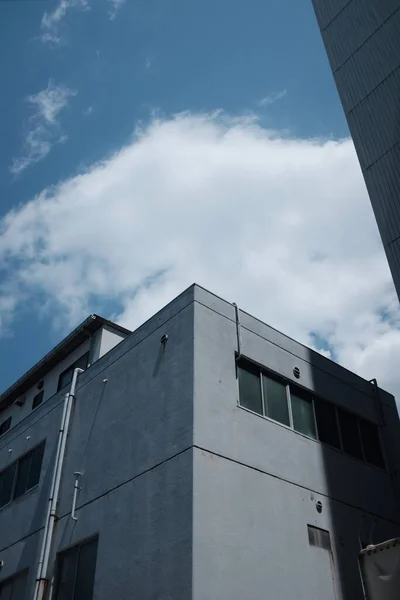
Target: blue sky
(94, 92)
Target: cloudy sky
(150, 144)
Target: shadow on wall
(361, 498)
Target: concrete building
(218, 459)
(362, 39)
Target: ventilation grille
(319, 538)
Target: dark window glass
(86, 570)
(28, 471)
(24, 464)
(68, 562)
(303, 413)
(275, 398)
(38, 399)
(250, 388)
(327, 425)
(5, 426)
(36, 466)
(66, 376)
(371, 443)
(6, 484)
(76, 571)
(14, 588)
(350, 434)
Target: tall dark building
(362, 39)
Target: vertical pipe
(238, 333)
(40, 584)
(75, 496)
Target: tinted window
(13, 588)
(23, 467)
(76, 571)
(327, 425)
(68, 562)
(371, 443)
(350, 434)
(303, 413)
(38, 399)
(66, 376)
(36, 466)
(21, 476)
(5, 426)
(6, 484)
(275, 398)
(250, 388)
(86, 571)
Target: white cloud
(88, 111)
(52, 21)
(115, 6)
(272, 98)
(43, 129)
(281, 226)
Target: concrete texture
(362, 40)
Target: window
(38, 399)
(327, 424)
(269, 396)
(250, 387)
(76, 571)
(275, 398)
(66, 376)
(5, 426)
(319, 538)
(350, 434)
(21, 476)
(303, 412)
(371, 443)
(14, 587)
(6, 484)
(262, 393)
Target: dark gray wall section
(131, 436)
(362, 40)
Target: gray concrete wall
(131, 436)
(256, 482)
(362, 39)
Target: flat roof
(84, 331)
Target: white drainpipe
(41, 580)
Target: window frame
(264, 400)
(35, 399)
(264, 372)
(312, 398)
(5, 425)
(14, 577)
(71, 369)
(15, 464)
(61, 553)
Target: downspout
(238, 333)
(40, 584)
(387, 448)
